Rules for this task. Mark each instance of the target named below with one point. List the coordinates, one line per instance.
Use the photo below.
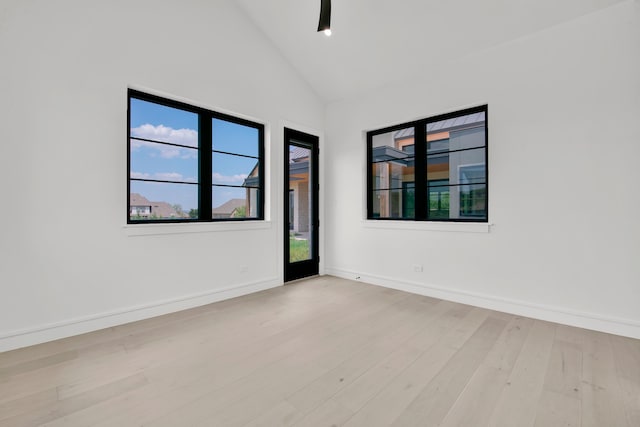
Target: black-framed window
(434, 169)
(190, 164)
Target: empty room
(320, 213)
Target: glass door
(300, 205)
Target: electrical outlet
(417, 268)
(244, 269)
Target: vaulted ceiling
(377, 42)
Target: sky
(165, 162)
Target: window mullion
(205, 145)
(262, 172)
(420, 141)
(369, 176)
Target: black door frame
(300, 269)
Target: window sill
(132, 230)
(461, 227)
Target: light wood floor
(327, 352)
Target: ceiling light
(324, 24)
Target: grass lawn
(298, 250)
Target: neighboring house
(141, 207)
(452, 164)
(299, 202)
(233, 208)
(251, 183)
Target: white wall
(65, 68)
(564, 150)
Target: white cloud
(228, 179)
(188, 137)
(140, 175)
(168, 176)
(163, 176)
(163, 133)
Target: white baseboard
(64, 329)
(36, 335)
(617, 326)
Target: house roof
(298, 162)
(161, 209)
(298, 154)
(164, 210)
(229, 206)
(136, 199)
(448, 125)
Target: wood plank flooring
(327, 352)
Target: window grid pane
(230, 202)
(159, 162)
(234, 138)
(398, 203)
(162, 201)
(230, 169)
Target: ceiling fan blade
(325, 15)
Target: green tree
(193, 213)
(178, 209)
(240, 212)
